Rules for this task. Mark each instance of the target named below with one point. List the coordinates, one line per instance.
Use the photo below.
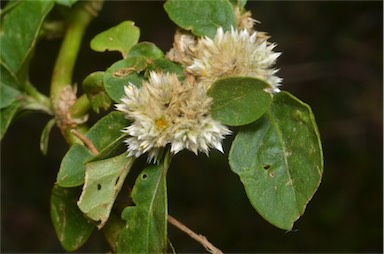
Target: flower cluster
(165, 111)
(235, 53)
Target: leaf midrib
(150, 210)
(276, 126)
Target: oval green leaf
(19, 32)
(147, 50)
(146, 228)
(239, 100)
(279, 160)
(103, 134)
(72, 227)
(103, 181)
(201, 17)
(122, 73)
(93, 86)
(118, 38)
(93, 83)
(165, 65)
(72, 167)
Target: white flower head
(244, 19)
(183, 46)
(235, 53)
(165, 111)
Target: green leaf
(8, 78)
(165, 65)
(94, 88)
(93, 83)
(9, 6)
(112, 149)
(72, 227)
(8, 95)
(147, 50)
(19, 32)
(122, 73)
(72, 167)
(67, 3)
(239, 100)
(6, 116)
(279, 160)
(103, 134)
(129, 70)
(45, 136)
(107, 130)
(103, 181)
(112, 230)
(201, 17)
(118, 38)
(239, 3)
(146, 228)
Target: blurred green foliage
(332, 59)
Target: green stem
(40, 101)
(81, 107)
(78, 19)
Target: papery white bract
(165, 111)
(235, 53)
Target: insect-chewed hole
(144, 176)
(266, 167)
(98, 186)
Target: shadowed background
(332, 59)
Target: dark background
(332, 59)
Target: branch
(87, 142)
(63, 95)
(200, 238)
(77, 21)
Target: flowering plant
(217, 80)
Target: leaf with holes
(279, 160)
(103, 181)
(119, 38)
(146, 228)
(201, 17)
(239, 100)
(72, 227)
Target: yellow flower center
(161, 123)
